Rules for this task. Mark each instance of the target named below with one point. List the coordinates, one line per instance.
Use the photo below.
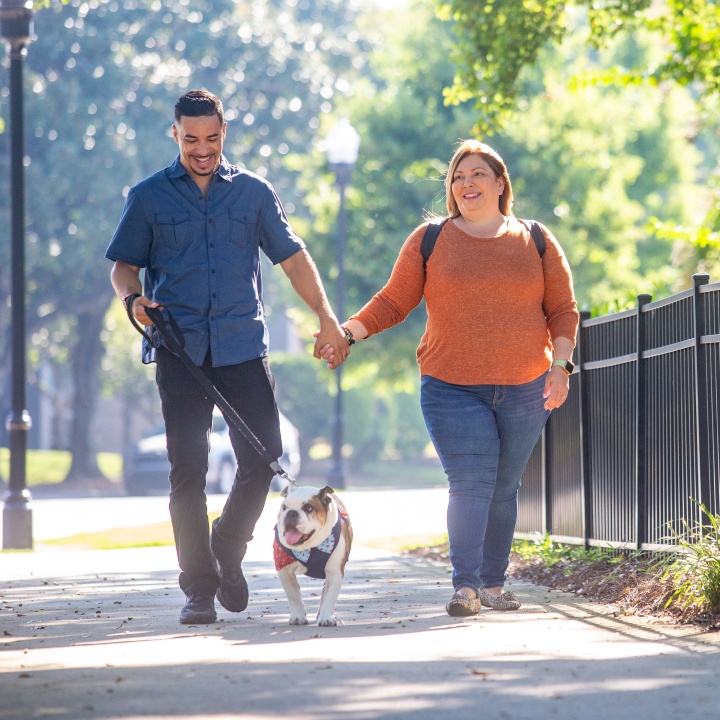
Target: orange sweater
(493, 305)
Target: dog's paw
(298, 620)
(327, 622)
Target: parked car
(148, 466)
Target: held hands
(331, 345)
(557, 385)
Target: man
(197, 228)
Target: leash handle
(154, 342)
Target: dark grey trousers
(249, 388)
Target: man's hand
(327, 352)
(138, 309)
(125, 280)
(331, 345)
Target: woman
(494, 360)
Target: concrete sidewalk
(94, 634)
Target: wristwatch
(566, 365)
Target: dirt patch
(632, 584)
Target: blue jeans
(484, 435)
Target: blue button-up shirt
(202, 255)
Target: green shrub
(695, 568)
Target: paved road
(94, 634)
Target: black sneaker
(233, 591)
(199, 609)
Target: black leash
(169, 331)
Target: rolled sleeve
(277, 238)
(133, 237)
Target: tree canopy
(498, 39)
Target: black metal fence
(636, 446)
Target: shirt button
(212, 317)
(214, 295)
(210, 221)
(212, 244)
(212, 271)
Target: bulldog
(313, 536)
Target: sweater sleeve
(403, 291)
(559, 302)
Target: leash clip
(283, 474)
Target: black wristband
(348, 335)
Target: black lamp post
(342, 145)
(16, 28)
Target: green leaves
(497, 40)
(695, 568)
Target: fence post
(586, 495)
(640, 429)
(701, 403)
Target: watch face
(565, 365)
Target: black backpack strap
(435, 226)
(537, 235)
(431, 235)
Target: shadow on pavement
(108, 646)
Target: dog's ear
(323, 495)
(284, 492)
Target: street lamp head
(16, 22)
(342, 143)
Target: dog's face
(306, 517)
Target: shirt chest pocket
(242, 227)
(173, 230)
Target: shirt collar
(225, 171)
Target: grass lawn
(161, 534)
(51, 466)
(377, 474)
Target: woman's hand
(557, 386)
(335, 351)
(326, 351)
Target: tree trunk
(87, 355)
